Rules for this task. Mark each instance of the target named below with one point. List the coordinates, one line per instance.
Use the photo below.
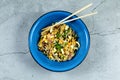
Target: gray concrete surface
(16, 19)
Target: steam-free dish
(79, 29)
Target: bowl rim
(88, 36)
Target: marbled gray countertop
(16, 19)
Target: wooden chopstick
(93, 13)
(66, 21)
(80, 10)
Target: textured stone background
(16, 19)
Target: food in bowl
(60, 44)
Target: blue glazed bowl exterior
(78, 26)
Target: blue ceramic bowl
(78, 26)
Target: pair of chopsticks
(85, 7)
(65, 20)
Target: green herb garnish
(58, 46)
(58, 35)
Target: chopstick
(93, 13)
(65, 20)
(78, 11)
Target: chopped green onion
(58, 46)
(58, 35)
